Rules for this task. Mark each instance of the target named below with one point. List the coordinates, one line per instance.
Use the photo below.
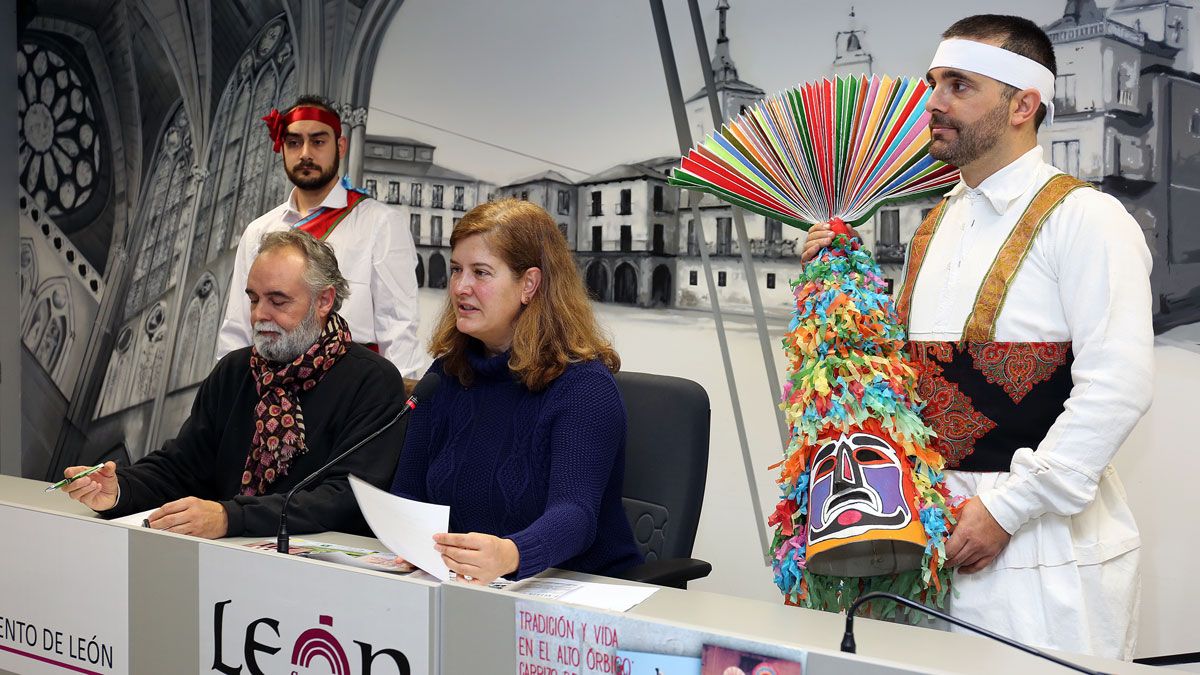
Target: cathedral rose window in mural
(59, 151)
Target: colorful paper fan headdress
(864, 505)
(830, 149)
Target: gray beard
(290, 344)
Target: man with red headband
(374, 248)
(1027, 302)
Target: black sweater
(206, 460)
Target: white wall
(1158, 465)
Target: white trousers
(1087, 609)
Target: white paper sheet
(615, 597)
(545, 588)
(405, 526)
(134, 519)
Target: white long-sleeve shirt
(375, 253)
(1085, 280)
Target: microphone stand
(848, 645)
(423, 390)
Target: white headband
(999, 64)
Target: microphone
(421, 393)
(848, 638)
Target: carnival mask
(861, 508)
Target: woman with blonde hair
(525, 439)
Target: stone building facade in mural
(1127, 102)
(431, 198)
(1128, 120)
(552, 191)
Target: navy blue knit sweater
(543, 469)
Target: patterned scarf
(279, 422)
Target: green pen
(86, 472)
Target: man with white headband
(1028, 306)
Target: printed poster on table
(555, 639)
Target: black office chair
(666, 465)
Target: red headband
(277, 123)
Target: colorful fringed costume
(864, 505)
(847, 373)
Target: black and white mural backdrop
(142, 159)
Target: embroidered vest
(983, 398)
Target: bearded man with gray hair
(269, 415)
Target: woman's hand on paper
(477, 558)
